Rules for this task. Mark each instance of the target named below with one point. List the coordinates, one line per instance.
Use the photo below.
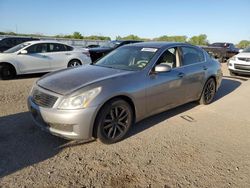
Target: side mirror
(241, 50)
(162, 68)
(23, 52)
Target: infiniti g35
(133, 82)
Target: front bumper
(69, 124)
(240, 67)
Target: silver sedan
(105, 99)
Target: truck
(221, 50)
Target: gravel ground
(190, 146)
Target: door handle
(181, 74)
(44, 56)
(204, 67)
(67, 54)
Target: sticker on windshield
(149, 49)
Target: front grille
(244, 59)
(43, 99)
(242, 67)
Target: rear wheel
(7, 72)
(208, 92)
(74, 63)
(114, 121)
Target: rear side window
(68, 48)
(191, 56)
(55, 47)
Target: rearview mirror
(23, 52)
(162, 68)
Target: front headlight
(233, 58)
(79, 101)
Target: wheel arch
(11, 65)
(75, 58)
(122, 97)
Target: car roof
(157, 44)
(44, 41)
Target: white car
(40, 56)
(240, 63)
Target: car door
(165, 89)
(36, 59)
(58, 54)
(193, 66)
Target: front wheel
(208, 92)
(74, 63)
(113, 121)
(7, 72)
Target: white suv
(40, 56)
(240, 63)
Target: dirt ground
(190, 146)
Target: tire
(208, 92)
(7, 72)
(74, 63)
(232, 73)
(114, 121)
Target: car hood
(100, 49)
(67, 81)
(243, 54)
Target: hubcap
(116, 122)
(209, 91)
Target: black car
(9, 42)
(97, 53)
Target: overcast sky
(220, 20)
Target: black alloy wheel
(208, 92)
(114, 121)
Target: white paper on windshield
(149, 49)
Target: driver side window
(168, 57)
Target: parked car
(9, 42)
(240, 63)
(40, 56)
(221, 50)
(133, 82)
(97, 53)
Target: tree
(171, 38)
(243, 44)
(77, 35)
(129, 37)
(199, 40)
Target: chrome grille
(244, 59)
(242, 67)
(43, 99)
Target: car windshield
(130, 58)
(111, 44)
(16, 48)
(247, 50)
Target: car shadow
(227, 87)
(22, 144)
(28, 76)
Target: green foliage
(77, 35)
(171, 38)
(199, 40)
(129, 37)
(243, 44)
